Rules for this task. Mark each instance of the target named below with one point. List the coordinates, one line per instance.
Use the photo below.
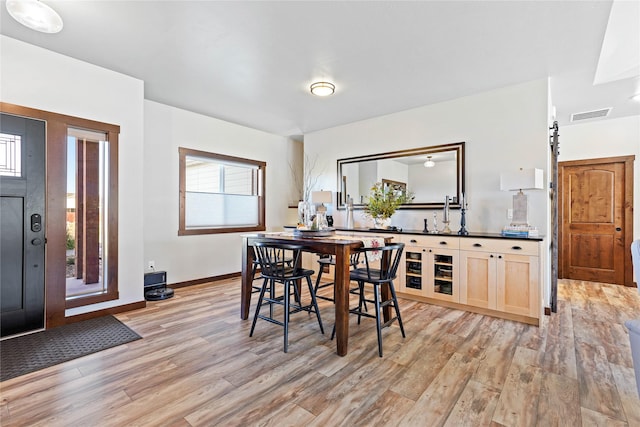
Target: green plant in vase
(383, 202)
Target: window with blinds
(219, 193)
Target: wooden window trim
(55, 256)
(182, 230)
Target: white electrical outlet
(151, 265)
(509, 213)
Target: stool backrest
(277, 260)
(386, 271)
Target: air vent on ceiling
(590, 114)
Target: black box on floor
(155, 286)
(155, 280)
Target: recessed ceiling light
(35, 15)
(636, 97)
(323, 88)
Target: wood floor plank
(518, 402)
(435, 404)
(466, 324)
(598, 391)
(611, 336)
(559, 402)
(496, 360)
(169, 406)
(477, 342)
(475, 407)
(386, 411)
(626, 384)
(560, 356)
(197, 366)
(596, 419)
(349, 401)
(436, 352)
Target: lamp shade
(321, 196)
(523, 179)
(429, 163)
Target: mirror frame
(458, 147)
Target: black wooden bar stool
(254, 269)
(274, 271)
(380, 268)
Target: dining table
(340, 246)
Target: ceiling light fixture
(323, 88)
(35, 15)
(636, 97)
(429, 163)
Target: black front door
(22, 239)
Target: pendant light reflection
(323, 88)
(429, 163)
(35, 15)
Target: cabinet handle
(499, 256)
(517, 248)
(491, 256)
(443, 243)
(414, 241)
(477, 245)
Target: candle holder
(463, 230)
(445, 216)
(426, 226)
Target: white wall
(195, 257)
(504, 130)
(37, 78)
(605, 138)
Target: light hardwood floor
(197, 366)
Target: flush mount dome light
(429, 163)
(322, 88)
(35, 15)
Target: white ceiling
(251, 63)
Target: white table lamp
(321, 197)
(523, 179)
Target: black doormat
(28, 353)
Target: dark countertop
(453, 234)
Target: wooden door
(596, 224)
(22, 214)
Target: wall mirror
(429, 174)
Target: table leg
(246, 281)
(341, 287)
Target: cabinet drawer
(503, 246)
(442, 242)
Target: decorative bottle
(350, 213)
